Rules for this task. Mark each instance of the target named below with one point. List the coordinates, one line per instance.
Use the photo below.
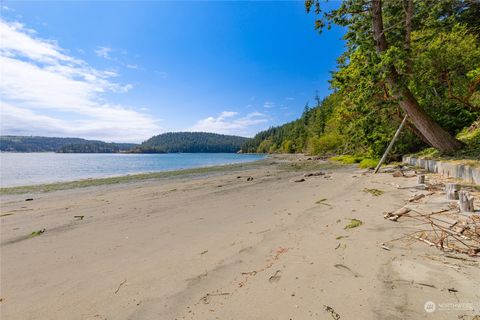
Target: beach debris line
(374, 192)
(298, 180)
(276, 276)
(354, 223)
(385, 247)
(120, 285)
(37, 233)
(6, 214)
(79, 217)
(270, 261)
(344, 267)
(322, 201)
(208, 297)
(332, 312)
(314, 174)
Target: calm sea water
(18, 169)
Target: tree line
(193, 142)
(420, 58)
(172, 142)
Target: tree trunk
(413, 129)
(431, 130)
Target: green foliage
(36, 233)
(374, 192)
(192, 142)
(328, 143)
(447, 85)
(440, 65)
(49, 144)
(354, 223)
(347, 159)
(94, 147)
(469, 136)
(368, 163)
(364, 163)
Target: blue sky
(123, 71)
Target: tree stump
(465, 201)
(452, 191)
(421, 179)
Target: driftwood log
(393, 216)
(465, 201)
(452, 190)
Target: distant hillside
(89, 146)
(168, 142)
(64, 145)
(192, 142)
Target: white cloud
(229, 122)
(103, 52)
(289, 98)
(42, 89)
(268, 104)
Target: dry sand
(221, 247)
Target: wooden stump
(452, 191)
(465, 202)
(421, 179)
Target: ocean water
(18, 169)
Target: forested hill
(168, 142)
(64, 145)
(92, 146)
(192, 142)
(420, 58)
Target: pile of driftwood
(453, 229)
(448, 231)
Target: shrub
(347, 159)
(327, 143)
(368, 163)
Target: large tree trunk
(431, 130)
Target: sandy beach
(253, 242)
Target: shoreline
(136, 177)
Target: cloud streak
(103, 52)
(268, 104)
(229, 122)
(43, 88)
